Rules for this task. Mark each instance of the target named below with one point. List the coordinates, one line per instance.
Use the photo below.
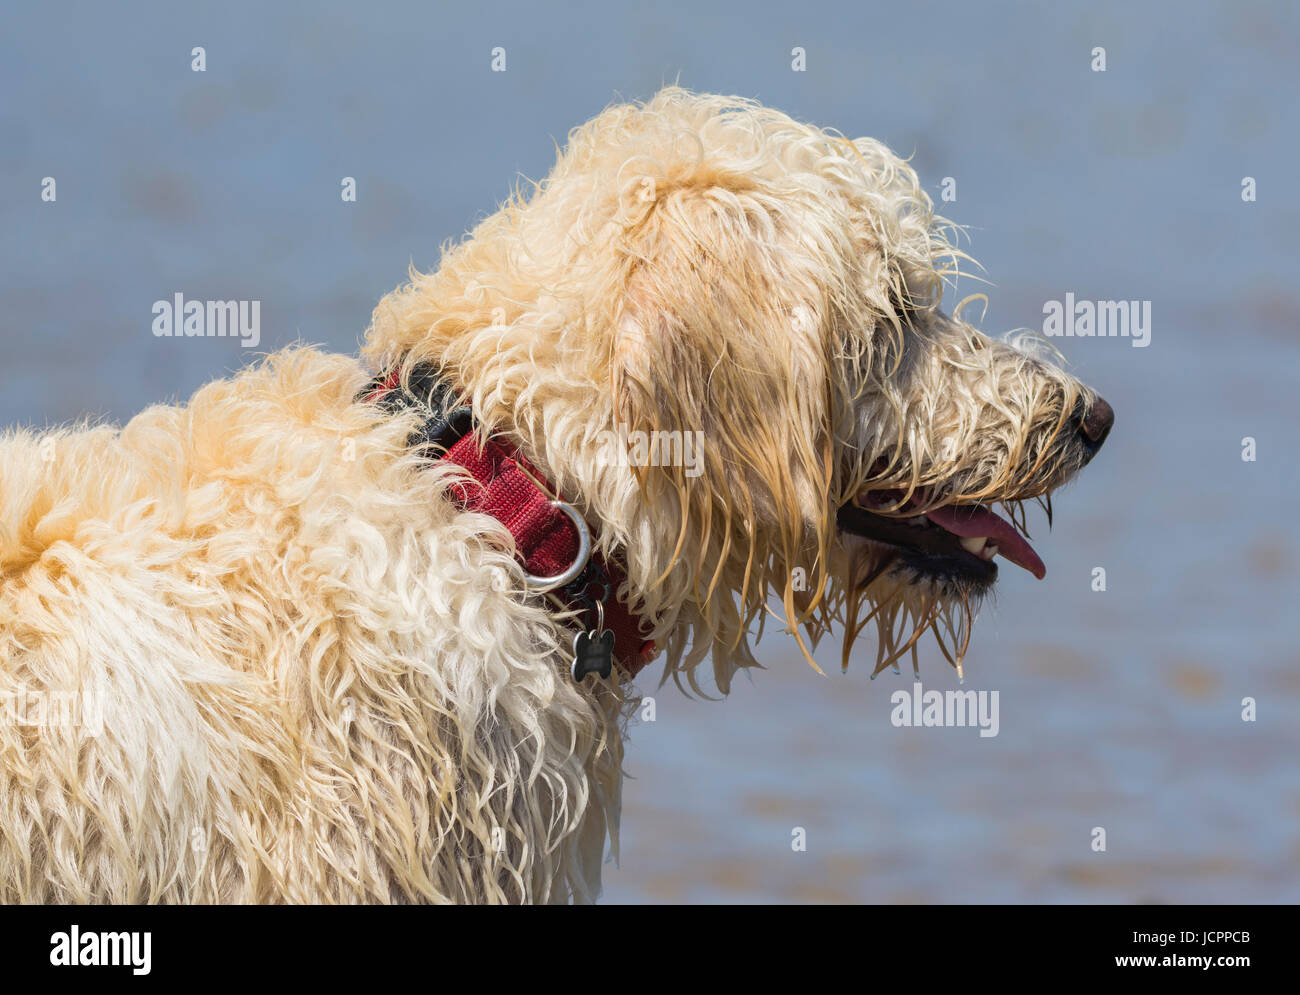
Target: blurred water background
(1119, 709)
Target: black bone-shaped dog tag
(593, 653)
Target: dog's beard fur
(877, 583)
(1019, 446)
(905, 604)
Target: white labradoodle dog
(275, 646)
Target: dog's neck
(588, 588)
(533, 379)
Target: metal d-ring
(543, 584)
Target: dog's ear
(715, 322)
(719, 335)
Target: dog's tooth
(918, 520)
(973, 544)
(989, 551)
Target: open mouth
(950, 542)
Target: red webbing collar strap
(505, 485)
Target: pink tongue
(968, 520)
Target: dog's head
(719, 330)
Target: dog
(348, 630)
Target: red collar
(548, 533)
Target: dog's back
(244, 656)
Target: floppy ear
(715, 331)
(717, 334)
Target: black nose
(1095, 422)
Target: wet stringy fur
(705, 263)
(319, 680)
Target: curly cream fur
(319, 680)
